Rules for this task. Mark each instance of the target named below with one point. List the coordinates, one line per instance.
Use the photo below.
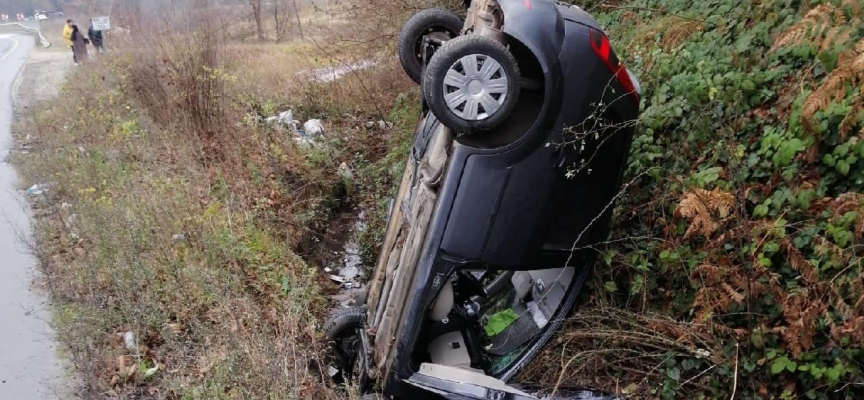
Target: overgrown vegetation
(735, 263)
(734, 267)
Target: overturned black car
(518, 155)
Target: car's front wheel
(472, 84)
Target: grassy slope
(175, 216)
(735, 263)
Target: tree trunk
(281, 19)
(297, 14)
(256, 12)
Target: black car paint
(527, 176)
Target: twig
(735, 377)
(847, 385)
(698, 375)
(655, 374)
(654, 369)
(561, 375)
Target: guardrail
(45, 43)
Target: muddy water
(338, 254)
(29, 365)
(351, 267)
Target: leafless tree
(256, 13)
(281, 15)
(297, 14)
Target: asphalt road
(29, 365)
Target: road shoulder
(40, 79)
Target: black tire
(433, 20)
(340, 331)
(446, 57)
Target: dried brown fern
(830, 28)
(719, 289)
(801, 312)
(799, 263)
(857, 289)
(629, 18)
(849, 72)
(823, 26)
(697, 206)
(841, 309)
(854, 329)
(847, 202)
(809, 29)
(826, 248)
(853, 119)
(851, 202)
(836, 36)
(678, 33)
(733, 294)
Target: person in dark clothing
(96, 38)
(79, 45)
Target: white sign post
(20, 17)
(101, 23)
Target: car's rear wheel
(342, 332)
(436, 23)
(472, 84)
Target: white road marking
(14, 46)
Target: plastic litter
(37, 189)
(344, 172)
(150, 371)
(313, 127)
(286, 118)
(129, 340)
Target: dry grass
(621, 352)
(178, 218)
(162, 242)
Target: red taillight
(600, 44)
